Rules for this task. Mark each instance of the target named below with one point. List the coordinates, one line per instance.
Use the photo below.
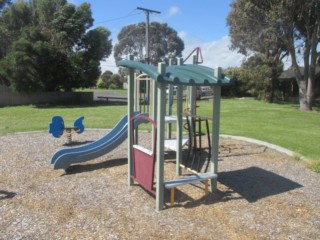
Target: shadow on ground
(6, 195)
(74, 169)
(76, 143)
(256, 183)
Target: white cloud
(109, 64)
(215, 53)
(173, 10)
(182, 34)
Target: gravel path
(262, 194)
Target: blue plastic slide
(62, 159)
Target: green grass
(33, 118)
(280, 124)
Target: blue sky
(199, 23)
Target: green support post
(215, 127)
(160, 141)
(154, 104)
(179, 130)
(170, 102)
(192, 94)
(130, 114)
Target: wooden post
(130, 114)
(215, 127)
(172, 197)
(160, 141)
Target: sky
(198, 23)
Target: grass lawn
(280, 124)
(34, 118)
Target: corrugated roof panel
(148, 69)
(194, 75)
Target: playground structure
(57, 127)
(147, 166)
(190, 75)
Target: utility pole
(147, 12)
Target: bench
(207, 98)
(112, 97)
(201, 177)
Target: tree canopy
(277, 28)
(48, 45)
(164, 42)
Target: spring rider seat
(57, 128)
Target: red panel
(144, 169)
(144, 161)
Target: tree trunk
(311, 85)
(302, 81)
(313, 63)
(303, 99)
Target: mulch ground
(262, 194)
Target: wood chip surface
(262, 194)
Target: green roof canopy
(186, 74)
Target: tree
(12, 20)
(241, 87)
(33, 64)
(251, 30)
(110, 80)
(104, 80)
(4, 3)
(305, 33)
(49, 46)
(277, 28)
(164, 42)
(260, 76)
(116, 81)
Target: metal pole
(147, 11)
(147, 38)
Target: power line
(118, 18)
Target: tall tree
(51, 47)
(3, 3)
(304, 34)
(12, 20)
(252, 31)
(164, 42)
(277, 28)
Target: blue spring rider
(57, 128)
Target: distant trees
(275, 29)
(110, 80)
(164, 42)
(47, 45)
(254, 78)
